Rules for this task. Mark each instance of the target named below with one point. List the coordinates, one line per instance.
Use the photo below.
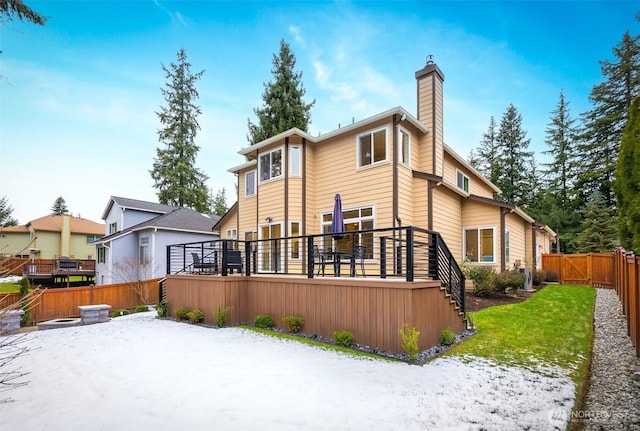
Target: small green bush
(483, 277)
(24, 286)
(343, 338)
(181, 313)
(162, 308)
(539, 276)
(195, 316)
(142, 308)
(264, 321)
(293, 323)
(410, 341)
(448, 337)
(25, 319)
(510, 279)
(221, 316)
(121, 312)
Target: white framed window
(102, 254)
(294, 161)
(355, 219)
(144, 250)
(405, 148)
(250, 183)
(462, 181)
(232, 233)
(507, 246)
(270, 165)
(294, 246)
(113, 227)
(372, 148)
(480, 245)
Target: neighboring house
(50, 237)
(391, 170)
(138, 233)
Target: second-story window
(250, 183)
(113, 228)
(294, 164)
(462, 181)
(271, 165)
(405, 148)
(372, 148)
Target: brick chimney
(430, 81)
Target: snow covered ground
(138, 372)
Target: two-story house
(392, 169)
(137, 235)
(51, 237)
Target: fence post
(410, 254)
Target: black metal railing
(408, 253)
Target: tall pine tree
(59, 207)
(283, 105)
(603, 125)
(177, 179)
(598, 230)
(513, 163)
(627, 185)
(559, 174)
(486, 153)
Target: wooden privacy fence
(628, 290)
(590, 269)
(64, 302)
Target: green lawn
(9, 287)
(552, 328)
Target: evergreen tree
(484, 158)
(561, 138)
(179, 182)
(5, 213)
(59, 207)
(283, 106)
(220, 203)
(627, 185)
(17, 8)
(603, 125)
(598, 230)
(512, 163)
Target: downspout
(394, 159)
(502, 238)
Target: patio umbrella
(337, 222)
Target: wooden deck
(373, 309)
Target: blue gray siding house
(137, 234)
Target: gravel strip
(613, 395)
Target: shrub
(510, 279)
(181, 313)
(25, 319)
(343, 338)
(162, 308)
(539, 276)
(448, 337)
(552, 276)
(293, 323)
(142, 308)
(410, 341)
(264, 321)
(121, 312)
(195, 316)
(24, 286)
(483, 280)
(221, 316)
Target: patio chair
(234, 261)
(203, 266)
(318, 259)
(358, 254)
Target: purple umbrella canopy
(337, 222)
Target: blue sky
(78, 96)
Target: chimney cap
(430, 59)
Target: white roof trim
(466, 164)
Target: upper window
(113, 228)
(294, 164)
(232, 233)
(144, 250)
(462, 181)
(271, 165)
(479, 245)
(405, 148)
(250, 183)
(372, 148)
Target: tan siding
(439, 151)
(517, 240)
(447, 219)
